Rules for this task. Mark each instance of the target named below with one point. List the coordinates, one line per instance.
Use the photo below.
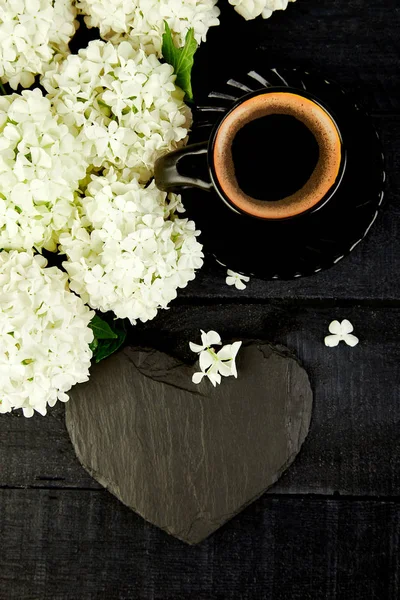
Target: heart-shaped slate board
(189, 457)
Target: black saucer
(314, 241)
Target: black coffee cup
(276, 154)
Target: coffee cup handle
(166, 170)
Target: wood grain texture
(353, 446)
(189, 457)
(356, 43)
(70, 545)
(353, 41)
(367, 273)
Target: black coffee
(274, 156)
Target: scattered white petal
(332, 340)
(237, 279)
(346, 327)
(225, 368)
(197, 377)
(195, 347)
(214, 377)
(225, 353)
(212, 338)
(351, 340)
(213, 365)
(206, 359)
(335, 328)
(341, 332)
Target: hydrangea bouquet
(77, 152)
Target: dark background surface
(330, 528)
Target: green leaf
(181, 59)
(108, 337)
(93, 345)
(107, 347)
(101, 329)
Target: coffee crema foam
(324, 176)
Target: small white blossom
(341, 332)
(250, 9)
(212, 338)
(214, 365)
(237, 279)
(129, 252)
(142, 21)
(44, 334)
(41, 165)
(31, 32)
(124, 104)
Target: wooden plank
(64, 545)
(366, 274)
(353, 446)
(352, 41)
(338, 39)
(38, 452)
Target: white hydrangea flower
(250, 9)
(44, 334)
(341, 332)
(237, 279)
(40, 167)
(31, 32)
(129, 252)
(214, 365)
(142, 21)
(124, 104)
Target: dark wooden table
(330, 528)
